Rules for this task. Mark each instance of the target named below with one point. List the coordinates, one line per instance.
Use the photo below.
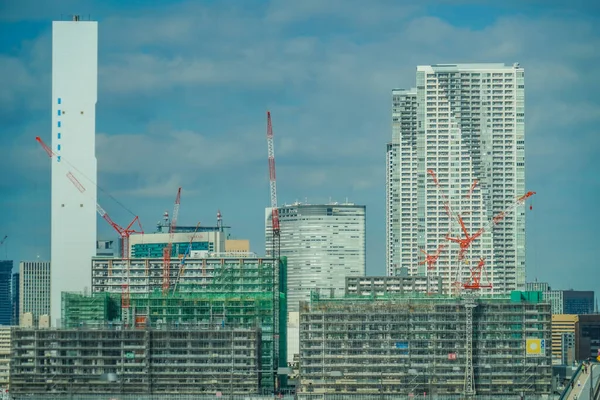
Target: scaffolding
(221, 293)
(403, 344)
(187, 360)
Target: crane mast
(273, 190)
(167, 251)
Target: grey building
(34, 289)
(15, 299)
(387, 285)
(323, 244)
(465, 124)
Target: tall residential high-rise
(34, 289)
(5, 299)
(467, 125)
(323, 244)
(15, 299)
(401, 174)
(74, 93)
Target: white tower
(74, 94)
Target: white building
(74, 93)
(465, 122)
(323, 244)
(34, 289)
(4, 357)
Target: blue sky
(184, 86)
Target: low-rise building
(5, 338)
(191, 359)
(419, 343)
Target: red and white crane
(167, 250)
(124, 233)
(474, 282)
(431, 259)
(273, 189)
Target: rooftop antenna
(219, 221)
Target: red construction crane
(124, 233)
(475, 282)
(273, 189)
(431, 259)
(167, 251)
(466, 242)
(444, 197)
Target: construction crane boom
(273, 188)
(124, 233)
(167, 251)
(185, 255)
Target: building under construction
(189, 359)
(418, 343)
(232, 294)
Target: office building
(587, 337)
(464, 124)
(566, 301)
(323, 244)
(152, 245)
(34, 289)
(562, 325)
(170, 361)
(5, 292)
(15, 295)
(4, 357)
(73, 209)
(411, 345)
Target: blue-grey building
(6, 267)
(15, 299)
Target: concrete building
(401, 184)
(170, 361)
(34, 289)
(323, 244)
(4, 357)
(73, 209)
(409, 344)
(562, 325)
(15, 299)
(465, 123)
(108, 248)
(6, 267)
(385, 285)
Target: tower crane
(167, 250)
(2, 242)
(124, 233)
(475, 281)
(431, 259)
(185, 255)
(273, 190)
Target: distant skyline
(184, 88)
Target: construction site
(418, 343)
(189, 359)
